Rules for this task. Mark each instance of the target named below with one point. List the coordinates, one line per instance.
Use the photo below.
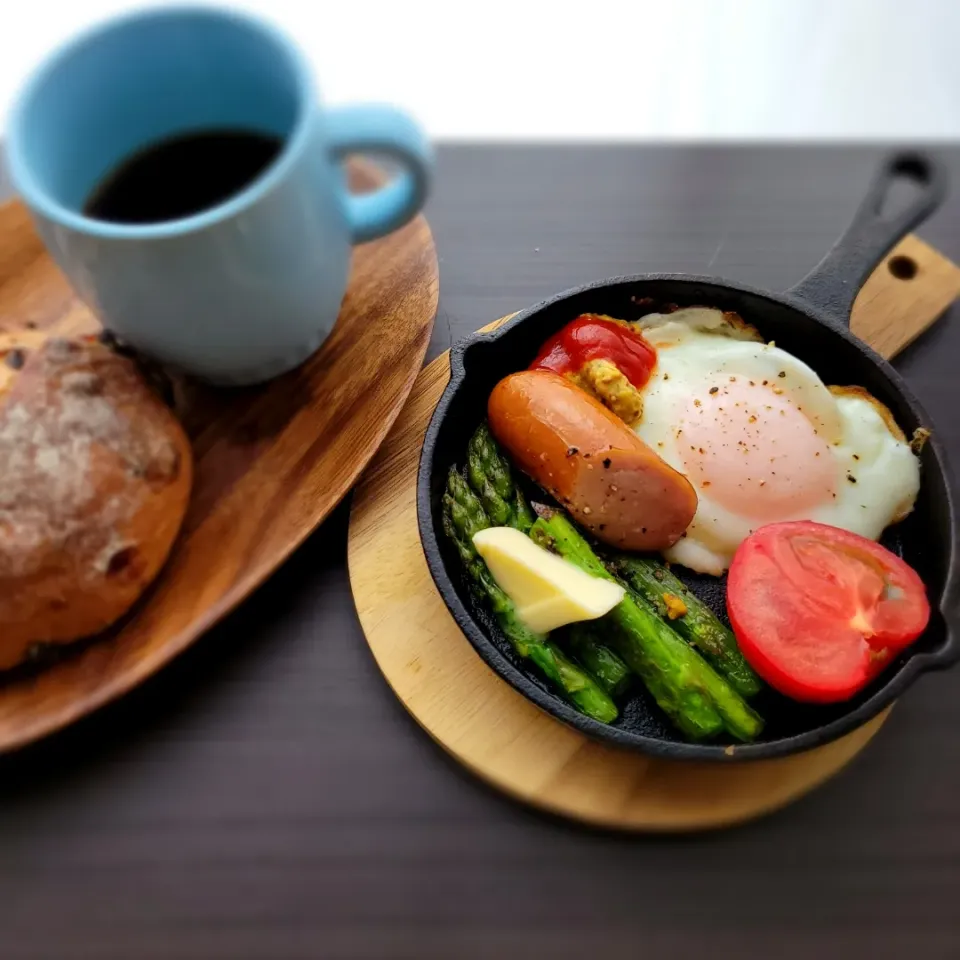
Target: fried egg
(763, 439)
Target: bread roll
(96, 475)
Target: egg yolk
(748, 448)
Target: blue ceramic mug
(246, 289)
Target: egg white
(876, 474)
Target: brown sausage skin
(612, 483)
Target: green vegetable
(463, 516)
(699, 701)
(596, 658)
(490, 477)
(699, 625)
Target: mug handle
(370, 128)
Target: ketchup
(592, 337)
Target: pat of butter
(548, 591)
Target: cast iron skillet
(811, 321)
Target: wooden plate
(271, 461)
(499, 734)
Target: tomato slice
(594, 337)
(818, 612)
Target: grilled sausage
(590, 461)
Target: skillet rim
(948, 603)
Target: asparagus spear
(699, 626)
(489, 475)
(597, 659)
(698, 700)
(640, 641)
(463, 516)
(488, 472)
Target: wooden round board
(271, 461)
(498, 733)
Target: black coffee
(182, 176)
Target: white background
(669, 69)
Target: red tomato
(818, 612)
(592, 337)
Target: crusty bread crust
(95, 477)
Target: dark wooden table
(266, 796)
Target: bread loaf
(95, 477)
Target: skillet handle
(835, 281)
